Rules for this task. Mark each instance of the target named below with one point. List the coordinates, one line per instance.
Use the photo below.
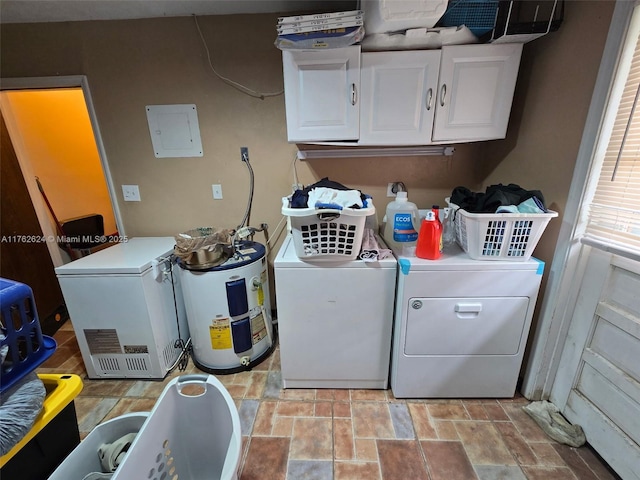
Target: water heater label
(403, 230)
(258, 328)
(220, 332)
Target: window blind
(614, 213)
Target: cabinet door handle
(429, 98)
(354, 94)
(443, 93)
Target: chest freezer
(127, 308)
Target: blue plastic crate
(27, 346)
(479, 16)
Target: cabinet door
(321, 94)
(475, 91)
(398, 97)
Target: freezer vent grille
(137, 364)
(128, 366)
(169, 354)
(108, 364)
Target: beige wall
(555, 84)
(130, 64)
(58, 142)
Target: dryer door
(465, 326)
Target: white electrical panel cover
(174, 130)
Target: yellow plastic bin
(53, 436)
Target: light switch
(131, 193)
(217, 191)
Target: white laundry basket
(84, 459)
(327, 234)
(193, 433)
(499, 236)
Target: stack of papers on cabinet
(321, 30)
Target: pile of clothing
(329, 194)
(499, 199)
(371, 250)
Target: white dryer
(461, 325)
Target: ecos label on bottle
(403, 230)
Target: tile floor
(322, 434)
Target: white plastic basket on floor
(84, 459)
(192, 433)
(327, 234)
(499, 236)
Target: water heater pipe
(244, 155)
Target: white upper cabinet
(321, 94)
(457, 94)
(398, 97)
(475, 91)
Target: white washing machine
(461, 325)
(127, 309)
(334, 321)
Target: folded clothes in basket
(532, 205)
(331, 194)
(323, 197)
(371, 250)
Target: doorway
(54, 132)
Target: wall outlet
(217, 191)
(131, 193)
